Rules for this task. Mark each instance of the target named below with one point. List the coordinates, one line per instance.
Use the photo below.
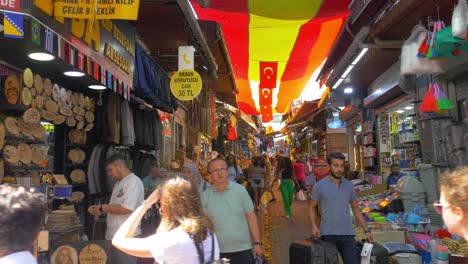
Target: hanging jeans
(287, 191)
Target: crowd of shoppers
(211, 216)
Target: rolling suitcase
(310, 251)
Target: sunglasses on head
(439, 208)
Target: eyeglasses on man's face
(217, 170)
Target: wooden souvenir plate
(66, 111)
(77, 136)
(75, 99)
(69, 97)
(47, 115)
(2, 171)
(32, 116)
(63, 95)
(92, 106)
(59, 119)
(56, 92)
(25, 128)
(89, 127)
(25, 153)
(2, 135)
(76, 155)
(28, 78)
(38, 155)
(78, 176)
(10, 154)
(60, 104)
(47, 87)
(78, 111)
(89, 117)
(26, 96)
(71, 122)
(12, 89)
(80, 125)
(93, 254)
(64, 252)
(79, 118)
(33, 92)
(11, 125)
(87, 103)
(81, 100)
(38, 83)
(39, 101)
(38, 131)
(51, 106)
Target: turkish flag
(265, 96)
(267, 113)
(268, 74)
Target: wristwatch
(258, 243)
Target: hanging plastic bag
(460, 20)
(443, 103)
(433, 53)
(410, 63)
(429, 103)
(449, 46)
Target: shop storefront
(62, 118)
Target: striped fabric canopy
(297, 35)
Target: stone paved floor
(283, 231)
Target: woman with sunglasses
(453, 204)
(185, 234)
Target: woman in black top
(287, 185)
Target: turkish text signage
(10, 4)
(97, 9)
(110, 42)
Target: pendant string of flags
(50, 41)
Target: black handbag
(201, 253)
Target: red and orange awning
(297, 35)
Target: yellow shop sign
(97, 9)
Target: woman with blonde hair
(453, 204)
(185, 234)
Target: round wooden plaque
(12, 89)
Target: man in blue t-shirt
(394, 176)
(334, 195)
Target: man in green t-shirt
(152, 181)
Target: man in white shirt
(17, 236)
(127, 195)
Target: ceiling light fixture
(74, 73)
(400, 111)
(337, 83)
(97, 87)
(348, 70)
(409, 107)
(359, 57)
(348, 90)
(41, 56)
